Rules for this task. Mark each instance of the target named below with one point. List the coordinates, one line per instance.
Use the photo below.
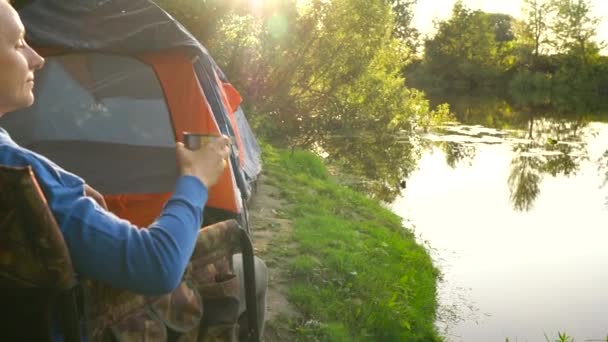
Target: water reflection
(376, 163)
(532, 161)
(546, 140)
(603, 168)
(456, 153)
(523, 192)
(508, 273)
(555, 147)
(524, 180)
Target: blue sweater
(109, 249)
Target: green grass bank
(355, 272)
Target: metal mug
(194, 141)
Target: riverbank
(343, 268)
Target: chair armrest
(33, 252)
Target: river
(516, 219)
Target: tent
(123, 80)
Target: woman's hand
(95, 195)
(206, 163)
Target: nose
(35, 61)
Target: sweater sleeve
(112, 250)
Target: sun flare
(256, 4)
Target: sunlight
(256, 5)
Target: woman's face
(18, 61)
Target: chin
(22, 105)
(27, 101)
(17, 103)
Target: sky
(429, 10)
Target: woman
(103, 247)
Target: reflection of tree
(524, 179)
(553, 125)
(486, 109)
(457, 152)
(542, 129)
(555, 149)
(603, 167)
(377, 161)
(564, 163)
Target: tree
(403, 30)
(538, 14)
(201, 17)
(574, 29)
(466, 52)
(502, 26)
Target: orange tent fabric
(190, 111)
(232, 100)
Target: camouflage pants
(206, 306)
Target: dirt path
(271, 232)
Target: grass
(561, 337)
(357, 273)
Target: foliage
(470, 50)
(359, 275)
(403, 29)
(537, 25)
(552, 50)
(574, 28)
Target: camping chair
(37, 277)
(35, 269)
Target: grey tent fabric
(119, 26)
(252, 167)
